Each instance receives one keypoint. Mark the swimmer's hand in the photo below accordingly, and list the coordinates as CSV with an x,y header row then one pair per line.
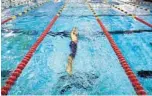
x,y
69,66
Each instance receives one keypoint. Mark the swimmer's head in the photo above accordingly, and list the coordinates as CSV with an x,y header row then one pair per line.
x,y
75,31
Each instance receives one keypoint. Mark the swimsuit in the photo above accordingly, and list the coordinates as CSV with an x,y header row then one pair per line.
x,y
73,47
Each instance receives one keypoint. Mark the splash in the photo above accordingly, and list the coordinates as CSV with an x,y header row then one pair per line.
x,y
78,83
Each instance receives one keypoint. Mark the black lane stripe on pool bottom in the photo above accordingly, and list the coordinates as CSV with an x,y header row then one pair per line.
x,y
145,73
110,15
66,33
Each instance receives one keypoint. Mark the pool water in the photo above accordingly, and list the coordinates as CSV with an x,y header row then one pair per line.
x,y
96,69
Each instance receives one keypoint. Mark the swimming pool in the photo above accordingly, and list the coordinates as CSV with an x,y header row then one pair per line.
x,y
96,69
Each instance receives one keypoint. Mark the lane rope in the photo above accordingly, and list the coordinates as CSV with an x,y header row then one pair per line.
x,y
22,13
14,4
17,72
133,16
133,79
137,6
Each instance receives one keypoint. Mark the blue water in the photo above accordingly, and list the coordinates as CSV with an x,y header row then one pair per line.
x,y
96,69
14,46
12,11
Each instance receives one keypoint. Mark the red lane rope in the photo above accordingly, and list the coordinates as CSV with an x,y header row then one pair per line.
x,y
11,80
133,79
6,20
141,20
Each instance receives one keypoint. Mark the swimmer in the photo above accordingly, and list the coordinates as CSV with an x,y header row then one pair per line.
x,y
73,47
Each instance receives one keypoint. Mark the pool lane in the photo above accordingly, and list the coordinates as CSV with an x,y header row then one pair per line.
x,y
19,35
137,11
25,11
140,6
35,18
126,22
135,47
137,50
12,11
95,70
